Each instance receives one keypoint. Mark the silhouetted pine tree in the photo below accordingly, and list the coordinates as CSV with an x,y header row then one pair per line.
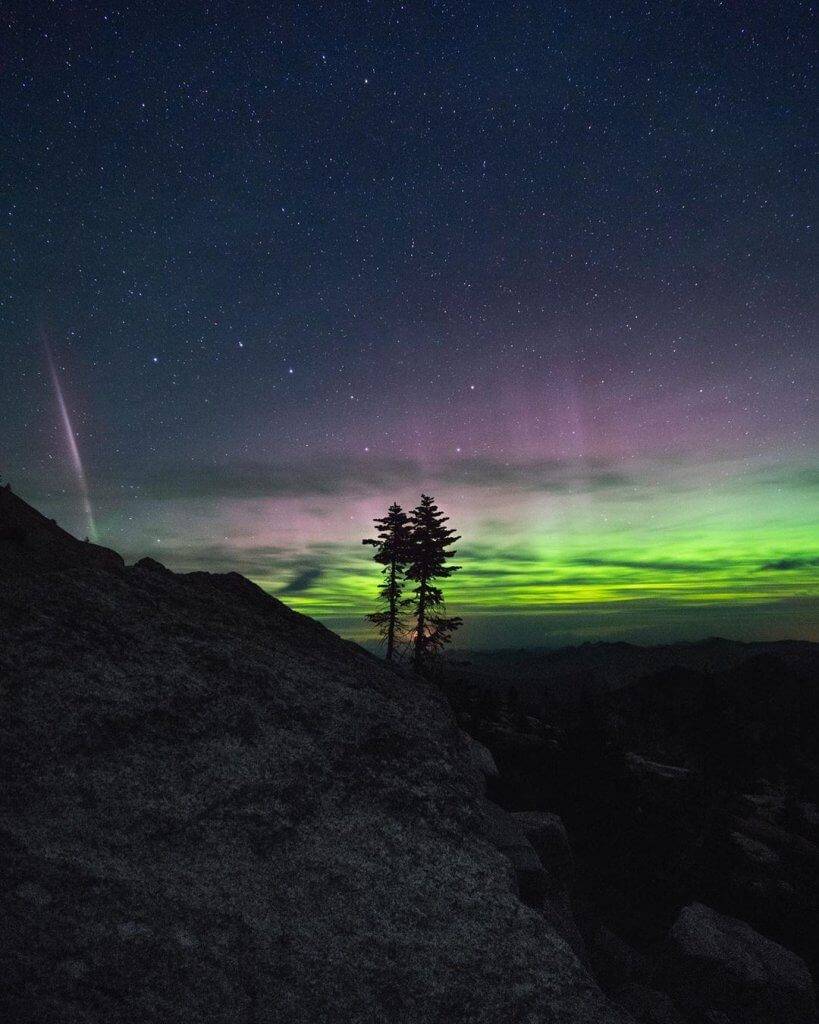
x,y
429,551
391,546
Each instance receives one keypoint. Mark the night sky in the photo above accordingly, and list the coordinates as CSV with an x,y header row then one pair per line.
x,y
268,267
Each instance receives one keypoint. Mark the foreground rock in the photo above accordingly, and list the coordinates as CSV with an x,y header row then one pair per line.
x,y
716,963
504,833
547,834
215,810
482,759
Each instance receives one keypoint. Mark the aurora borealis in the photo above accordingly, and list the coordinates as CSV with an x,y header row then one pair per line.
x,y
578,560
553,552
552,264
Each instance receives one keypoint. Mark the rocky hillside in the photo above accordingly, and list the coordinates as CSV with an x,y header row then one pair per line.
x,y
215,810
29,541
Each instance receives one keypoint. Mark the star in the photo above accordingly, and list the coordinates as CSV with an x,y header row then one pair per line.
x,y
563,232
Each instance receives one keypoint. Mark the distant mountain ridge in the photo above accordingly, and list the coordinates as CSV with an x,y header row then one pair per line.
x,y
589,668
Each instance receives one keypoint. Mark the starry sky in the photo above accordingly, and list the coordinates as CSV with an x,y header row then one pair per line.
x,y
269,267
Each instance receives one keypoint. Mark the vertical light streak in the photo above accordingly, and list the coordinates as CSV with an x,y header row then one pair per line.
x,y
76,459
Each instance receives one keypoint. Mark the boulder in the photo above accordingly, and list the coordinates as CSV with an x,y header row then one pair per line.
x,y
639,765
757,853
504,834
482,759
790,846
148,564
547,834
719,964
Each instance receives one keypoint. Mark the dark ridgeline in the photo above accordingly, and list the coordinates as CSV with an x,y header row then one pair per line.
x,y
28,540
392,551
416,548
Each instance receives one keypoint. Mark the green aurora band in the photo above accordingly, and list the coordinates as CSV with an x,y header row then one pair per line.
x,y
739,554
552,552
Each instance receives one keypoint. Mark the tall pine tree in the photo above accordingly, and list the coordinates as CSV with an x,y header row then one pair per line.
x,y
429,552
392,551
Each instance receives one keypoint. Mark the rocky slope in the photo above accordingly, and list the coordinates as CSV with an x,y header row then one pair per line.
x,y
215,810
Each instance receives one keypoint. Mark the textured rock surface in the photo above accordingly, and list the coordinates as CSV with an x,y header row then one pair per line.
x,y
215,810
547,834
558,911
503,832
643,766
718,963
482,758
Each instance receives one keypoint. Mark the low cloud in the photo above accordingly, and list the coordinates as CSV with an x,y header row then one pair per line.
x,y
555,476
301,581
650,565
324,476
797,562
310,478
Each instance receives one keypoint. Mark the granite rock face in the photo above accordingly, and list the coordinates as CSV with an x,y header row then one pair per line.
x,y
215,810
504,833
547,834
482,759
717,963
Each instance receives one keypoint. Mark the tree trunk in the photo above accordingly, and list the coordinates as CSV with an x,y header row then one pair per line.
x,y
391,623
419,635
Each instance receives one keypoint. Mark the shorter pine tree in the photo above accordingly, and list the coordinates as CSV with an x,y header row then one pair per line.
x,y
392,551
429,551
